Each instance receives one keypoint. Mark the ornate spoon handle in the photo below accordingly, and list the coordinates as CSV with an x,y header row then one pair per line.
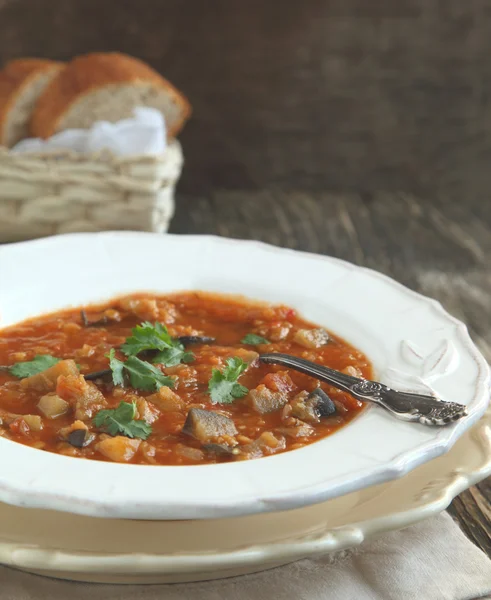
x,y
403,405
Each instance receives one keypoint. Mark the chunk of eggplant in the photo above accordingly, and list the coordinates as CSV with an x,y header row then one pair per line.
x,y
52,406
221,449
34,421
324,406
311,407
195,339
311,338
24,423
208,426
263,400
86,322
298,429
267,443
80,438
105,373
88,399
77,434
7,417
189,453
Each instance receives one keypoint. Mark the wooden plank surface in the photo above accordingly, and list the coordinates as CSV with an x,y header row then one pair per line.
x,y
351,128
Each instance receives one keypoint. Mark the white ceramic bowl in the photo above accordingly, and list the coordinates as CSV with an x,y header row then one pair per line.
x,y
410,339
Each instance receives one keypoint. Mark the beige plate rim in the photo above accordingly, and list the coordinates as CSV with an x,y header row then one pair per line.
x,y
431,488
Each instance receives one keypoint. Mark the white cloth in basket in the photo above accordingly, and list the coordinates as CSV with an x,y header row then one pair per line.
x,y
143,134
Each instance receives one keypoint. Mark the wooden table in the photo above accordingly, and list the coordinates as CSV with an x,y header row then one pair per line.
x,y
360,130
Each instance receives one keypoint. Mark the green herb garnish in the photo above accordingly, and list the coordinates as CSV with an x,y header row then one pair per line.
x,y
146,337
142,375
117,367
173,356
253,339
223,386
38,364
121,421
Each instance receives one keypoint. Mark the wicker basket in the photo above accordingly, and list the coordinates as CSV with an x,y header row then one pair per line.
x,y
65,192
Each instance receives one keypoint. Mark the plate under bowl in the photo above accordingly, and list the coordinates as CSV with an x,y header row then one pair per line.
x,y
123,551
412,342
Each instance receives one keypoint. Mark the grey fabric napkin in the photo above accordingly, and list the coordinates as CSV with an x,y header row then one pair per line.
x,y
429,561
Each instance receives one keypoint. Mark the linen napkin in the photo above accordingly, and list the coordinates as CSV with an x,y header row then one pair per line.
x,y
429,561
144,133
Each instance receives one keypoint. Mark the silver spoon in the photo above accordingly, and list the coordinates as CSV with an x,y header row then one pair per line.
x,y
403,405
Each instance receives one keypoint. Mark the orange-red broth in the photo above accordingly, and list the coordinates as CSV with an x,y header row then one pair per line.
x,y
63,335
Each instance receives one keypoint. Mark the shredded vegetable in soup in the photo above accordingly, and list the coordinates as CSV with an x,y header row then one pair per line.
x,y
170,380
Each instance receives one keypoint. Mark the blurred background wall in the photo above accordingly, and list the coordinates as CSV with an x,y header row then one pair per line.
x,y
339,95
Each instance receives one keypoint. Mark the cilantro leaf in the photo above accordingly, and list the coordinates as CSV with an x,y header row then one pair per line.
x,y
225,392
234,369
138,429
38,364
116,419
121,421
173,356
239,391
117,367
223,387
144,376
147,337
253,339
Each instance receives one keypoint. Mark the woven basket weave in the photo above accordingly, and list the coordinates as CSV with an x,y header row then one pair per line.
x,y
65,192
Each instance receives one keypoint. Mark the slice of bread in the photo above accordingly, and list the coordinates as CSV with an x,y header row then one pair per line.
x,y
21,83
106,86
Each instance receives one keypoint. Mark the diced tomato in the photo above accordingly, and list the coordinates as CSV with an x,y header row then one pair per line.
x,y
70,387
290,314
20,427
279,382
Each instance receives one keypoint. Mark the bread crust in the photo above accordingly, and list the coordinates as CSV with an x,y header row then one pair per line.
x,y
88,73
14,78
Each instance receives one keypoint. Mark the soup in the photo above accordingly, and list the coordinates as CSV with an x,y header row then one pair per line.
x,y
170,380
